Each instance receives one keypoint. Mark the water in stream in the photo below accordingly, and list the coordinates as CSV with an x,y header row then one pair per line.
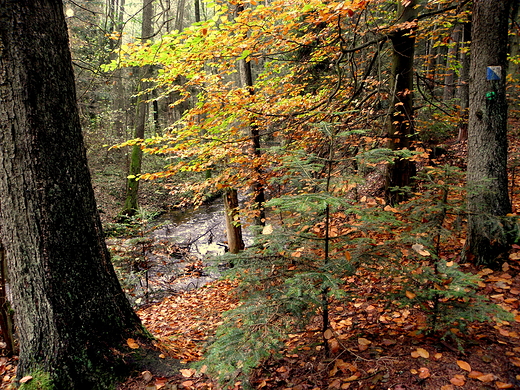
x,y
174,255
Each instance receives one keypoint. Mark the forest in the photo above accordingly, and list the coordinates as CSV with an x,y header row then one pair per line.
x,y
259,194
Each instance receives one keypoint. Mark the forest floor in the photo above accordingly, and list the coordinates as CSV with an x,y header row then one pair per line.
x,y
371,347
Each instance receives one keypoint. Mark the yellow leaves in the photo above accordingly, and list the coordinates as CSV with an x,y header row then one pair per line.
x,y
464,365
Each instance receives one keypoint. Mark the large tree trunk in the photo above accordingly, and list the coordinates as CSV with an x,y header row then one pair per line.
x,y
489,232
71,313
400,123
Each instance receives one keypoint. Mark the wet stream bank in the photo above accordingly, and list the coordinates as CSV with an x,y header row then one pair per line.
x,y
177,252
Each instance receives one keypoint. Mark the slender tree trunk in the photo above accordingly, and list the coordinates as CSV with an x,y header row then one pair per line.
x,y
489,231
71,313
401,121
233,227
141,115
451,60
246,79
463,83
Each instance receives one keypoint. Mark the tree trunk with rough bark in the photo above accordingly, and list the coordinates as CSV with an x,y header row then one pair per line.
x,y
71,313
233,227
489,231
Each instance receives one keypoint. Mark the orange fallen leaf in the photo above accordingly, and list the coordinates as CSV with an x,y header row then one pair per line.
x,y
410,295
486,378
363,341
424,373
502,385
447,387
132,344
475,374
516,361
187,372
423,353
458,380
464,365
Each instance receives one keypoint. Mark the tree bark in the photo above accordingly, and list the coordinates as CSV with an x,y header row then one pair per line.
x,y
463,82
400,123
141,115
451,60
71,313
233,227
257,188
489,232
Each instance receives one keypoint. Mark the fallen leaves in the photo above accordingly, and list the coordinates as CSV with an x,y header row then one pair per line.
x,y
420,352
132,344
458,380
464,365
183,322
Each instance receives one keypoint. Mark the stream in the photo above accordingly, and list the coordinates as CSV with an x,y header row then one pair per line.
x,y
176,253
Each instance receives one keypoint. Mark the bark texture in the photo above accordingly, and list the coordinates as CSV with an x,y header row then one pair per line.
x,y
70,309
401,119
233,227
489,232
141,115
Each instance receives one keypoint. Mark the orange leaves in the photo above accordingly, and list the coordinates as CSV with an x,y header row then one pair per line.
x,y
458,380
420,352
464,365
177,321
132,344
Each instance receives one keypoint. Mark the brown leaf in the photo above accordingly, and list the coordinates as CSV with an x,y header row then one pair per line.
x,y
486,378
334,345
458,380
132,344
328,334
475,374
515,360
464,365
423,353
447,387
187,372
410,295
363,341
147,376
424,373
502,385
26,379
